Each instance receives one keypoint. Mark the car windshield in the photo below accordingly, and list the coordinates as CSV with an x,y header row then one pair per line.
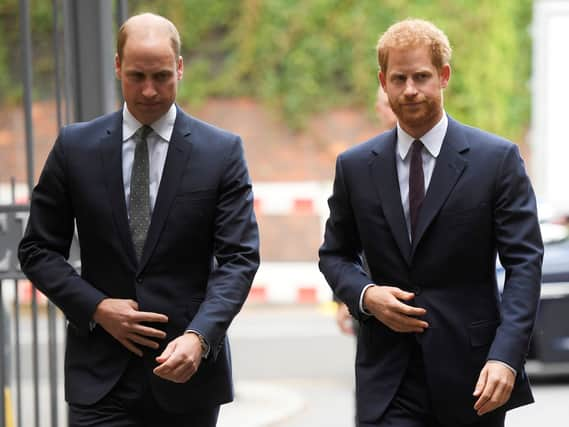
x,y
555,258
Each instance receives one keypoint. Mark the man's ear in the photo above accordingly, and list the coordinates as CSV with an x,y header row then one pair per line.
x,y
180,68
117,66
444,75
381,78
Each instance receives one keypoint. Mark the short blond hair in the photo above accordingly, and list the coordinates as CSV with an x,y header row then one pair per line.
x,y
414,33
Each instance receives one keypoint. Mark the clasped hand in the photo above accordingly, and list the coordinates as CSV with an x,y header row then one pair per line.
x,y
386,304
122,319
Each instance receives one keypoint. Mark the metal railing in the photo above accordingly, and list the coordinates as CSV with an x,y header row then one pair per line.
x,y
32,328
32,358
22,344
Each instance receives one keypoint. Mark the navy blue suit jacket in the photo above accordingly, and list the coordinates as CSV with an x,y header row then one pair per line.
x,y
479,203
198,262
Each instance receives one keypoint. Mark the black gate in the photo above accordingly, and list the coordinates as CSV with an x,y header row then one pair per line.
x,y
31,328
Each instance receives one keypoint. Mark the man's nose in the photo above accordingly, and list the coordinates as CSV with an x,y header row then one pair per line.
x,y
410,89
148,90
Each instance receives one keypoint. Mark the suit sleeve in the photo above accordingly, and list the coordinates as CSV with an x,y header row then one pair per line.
x,y
341,253
520,249
44,249
236,250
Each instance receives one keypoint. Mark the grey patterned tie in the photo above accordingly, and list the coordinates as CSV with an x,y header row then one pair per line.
x,y
139,201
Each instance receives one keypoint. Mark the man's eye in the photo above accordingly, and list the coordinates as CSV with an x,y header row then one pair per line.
x,y
162,77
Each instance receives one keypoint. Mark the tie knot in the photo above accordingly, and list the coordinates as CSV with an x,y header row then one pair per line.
x,y
142,133
417,145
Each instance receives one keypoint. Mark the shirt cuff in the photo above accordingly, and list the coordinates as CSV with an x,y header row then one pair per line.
x,y
203,342
504,364
362,309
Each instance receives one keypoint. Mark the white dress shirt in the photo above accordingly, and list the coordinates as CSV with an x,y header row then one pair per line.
x,y
433,142
157,141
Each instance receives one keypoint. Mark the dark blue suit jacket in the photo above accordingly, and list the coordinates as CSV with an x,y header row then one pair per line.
x,y
479,202
198,263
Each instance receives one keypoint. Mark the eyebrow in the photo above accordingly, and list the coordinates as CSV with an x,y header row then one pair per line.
x,y
155,73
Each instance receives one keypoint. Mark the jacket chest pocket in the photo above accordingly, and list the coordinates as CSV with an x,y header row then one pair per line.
x,y
466,216
191,216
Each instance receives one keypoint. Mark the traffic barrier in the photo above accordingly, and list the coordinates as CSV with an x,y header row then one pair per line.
x,y
26,290
289,283
286,282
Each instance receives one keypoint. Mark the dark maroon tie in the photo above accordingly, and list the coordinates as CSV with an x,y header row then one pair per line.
x,y
416,184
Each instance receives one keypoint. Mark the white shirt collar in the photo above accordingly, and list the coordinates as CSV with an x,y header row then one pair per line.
x,y
432,140
163,127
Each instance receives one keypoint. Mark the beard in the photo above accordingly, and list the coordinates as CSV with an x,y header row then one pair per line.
x,y
422,115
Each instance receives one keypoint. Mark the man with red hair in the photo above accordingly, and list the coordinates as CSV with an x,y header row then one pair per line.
x,y
430,203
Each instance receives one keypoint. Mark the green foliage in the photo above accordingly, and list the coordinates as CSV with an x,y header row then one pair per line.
x,y
306,56
9,33
11,56
4,74
301,57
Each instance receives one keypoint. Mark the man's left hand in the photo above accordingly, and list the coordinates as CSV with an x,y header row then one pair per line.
x,y
493,388
344,319
180,359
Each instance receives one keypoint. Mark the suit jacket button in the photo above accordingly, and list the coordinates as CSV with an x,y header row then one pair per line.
x,y
416,290
139,279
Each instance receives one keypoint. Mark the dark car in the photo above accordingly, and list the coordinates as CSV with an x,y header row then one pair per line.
x,y
549,349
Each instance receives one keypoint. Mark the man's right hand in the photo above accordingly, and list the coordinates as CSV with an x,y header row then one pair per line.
x,y
386,304
344,319
121,319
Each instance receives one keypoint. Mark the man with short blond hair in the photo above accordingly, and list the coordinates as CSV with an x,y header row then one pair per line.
x,y
430,203
169,247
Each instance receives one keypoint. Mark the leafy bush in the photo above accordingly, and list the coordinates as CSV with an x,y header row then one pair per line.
x,y
300,57
306,56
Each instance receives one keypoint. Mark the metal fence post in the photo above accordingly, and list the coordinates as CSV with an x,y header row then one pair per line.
x,y
2,359
91,52
25,31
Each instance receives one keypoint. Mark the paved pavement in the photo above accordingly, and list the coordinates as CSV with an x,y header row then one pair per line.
x,y
282,378
292,368
278,390
260,404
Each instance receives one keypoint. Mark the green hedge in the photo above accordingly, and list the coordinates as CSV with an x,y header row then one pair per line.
x,y
306,56
300,57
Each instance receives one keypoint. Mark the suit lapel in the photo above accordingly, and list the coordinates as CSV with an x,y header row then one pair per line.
x,y
111,158
449,167
384,177
179,149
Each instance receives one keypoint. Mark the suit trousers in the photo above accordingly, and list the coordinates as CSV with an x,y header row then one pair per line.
x,y
131,403
411,405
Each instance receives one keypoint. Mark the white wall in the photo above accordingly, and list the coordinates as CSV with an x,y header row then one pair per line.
x,y
550,103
